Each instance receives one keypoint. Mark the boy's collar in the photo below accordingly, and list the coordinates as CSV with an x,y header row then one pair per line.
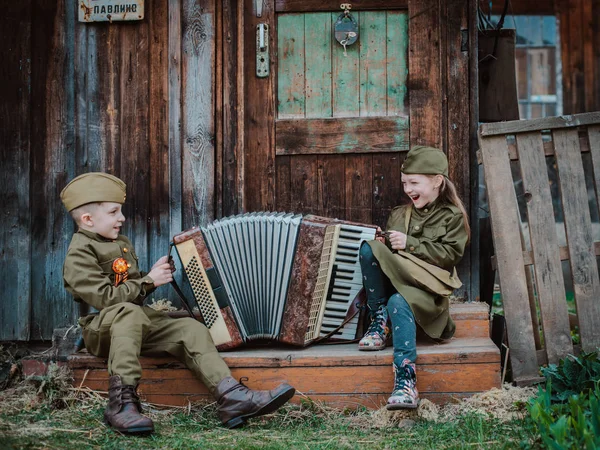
x,y
94,235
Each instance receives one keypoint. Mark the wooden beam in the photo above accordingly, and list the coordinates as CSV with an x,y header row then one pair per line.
x,y
563,252
546,123
525,7
259,115
329,5
348,135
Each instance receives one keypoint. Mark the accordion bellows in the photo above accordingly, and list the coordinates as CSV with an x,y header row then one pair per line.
x,y
274,276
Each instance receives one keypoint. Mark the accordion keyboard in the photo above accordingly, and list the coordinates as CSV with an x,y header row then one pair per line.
x,y
344,280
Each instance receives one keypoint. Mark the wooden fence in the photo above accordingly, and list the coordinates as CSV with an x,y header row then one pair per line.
x,y
519,159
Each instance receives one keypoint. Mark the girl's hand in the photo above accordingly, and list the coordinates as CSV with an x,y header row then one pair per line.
x,y
379,237
397,240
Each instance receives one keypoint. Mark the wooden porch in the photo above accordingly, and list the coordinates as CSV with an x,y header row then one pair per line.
x,y
338,375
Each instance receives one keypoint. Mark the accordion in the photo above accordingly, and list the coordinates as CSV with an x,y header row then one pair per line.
x,y
274,276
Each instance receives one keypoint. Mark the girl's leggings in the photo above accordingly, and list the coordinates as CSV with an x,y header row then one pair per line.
x,y
380,292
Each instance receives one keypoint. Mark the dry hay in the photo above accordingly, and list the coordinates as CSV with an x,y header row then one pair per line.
x,y
162,305
504,405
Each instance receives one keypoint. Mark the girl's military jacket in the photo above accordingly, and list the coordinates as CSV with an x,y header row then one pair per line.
x,y
88,272
424,272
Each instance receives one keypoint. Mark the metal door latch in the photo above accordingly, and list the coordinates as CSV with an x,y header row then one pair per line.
x,y
262,50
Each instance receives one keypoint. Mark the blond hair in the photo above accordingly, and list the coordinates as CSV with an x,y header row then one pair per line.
x,y
448,194
83,209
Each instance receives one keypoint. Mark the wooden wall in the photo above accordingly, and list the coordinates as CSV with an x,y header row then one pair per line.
x,y
135,99
160,103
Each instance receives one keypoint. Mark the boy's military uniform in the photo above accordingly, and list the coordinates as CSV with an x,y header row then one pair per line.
x,y
104,273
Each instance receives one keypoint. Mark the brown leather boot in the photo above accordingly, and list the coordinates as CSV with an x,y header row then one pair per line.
x,y
236,403
123,411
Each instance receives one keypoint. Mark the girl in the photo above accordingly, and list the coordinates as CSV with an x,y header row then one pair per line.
x,y
409,275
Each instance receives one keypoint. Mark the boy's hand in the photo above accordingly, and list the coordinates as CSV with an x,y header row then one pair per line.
x,y
161,272
397,240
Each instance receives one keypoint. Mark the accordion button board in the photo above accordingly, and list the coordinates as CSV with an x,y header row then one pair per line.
x,y
274,276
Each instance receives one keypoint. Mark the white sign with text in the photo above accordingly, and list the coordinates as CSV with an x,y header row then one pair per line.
x,y
110,10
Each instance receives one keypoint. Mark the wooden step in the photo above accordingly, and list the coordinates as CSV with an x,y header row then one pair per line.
x,y
472,319
338,375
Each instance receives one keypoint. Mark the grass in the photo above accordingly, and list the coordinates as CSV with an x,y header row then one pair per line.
x,y
48,413
73,428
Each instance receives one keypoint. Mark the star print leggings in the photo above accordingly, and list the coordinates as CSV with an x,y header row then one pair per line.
x,y
380,292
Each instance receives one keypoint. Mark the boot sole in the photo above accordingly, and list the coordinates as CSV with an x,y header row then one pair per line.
x,y
272,406
131,431
371,348
399,406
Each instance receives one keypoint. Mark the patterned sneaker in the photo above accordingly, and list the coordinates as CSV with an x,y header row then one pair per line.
x,y
405,395
376,336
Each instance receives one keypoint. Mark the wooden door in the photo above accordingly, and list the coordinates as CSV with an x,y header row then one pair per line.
x,y
324,131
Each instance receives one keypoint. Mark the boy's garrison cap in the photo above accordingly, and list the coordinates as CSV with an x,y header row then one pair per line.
x,y
425,160
93,187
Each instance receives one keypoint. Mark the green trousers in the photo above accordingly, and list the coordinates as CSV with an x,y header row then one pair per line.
x,y
125,331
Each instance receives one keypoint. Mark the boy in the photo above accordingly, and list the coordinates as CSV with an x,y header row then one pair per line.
x,y
101,270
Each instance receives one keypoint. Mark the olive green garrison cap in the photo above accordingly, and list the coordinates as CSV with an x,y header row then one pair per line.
x,y
425,160
93,187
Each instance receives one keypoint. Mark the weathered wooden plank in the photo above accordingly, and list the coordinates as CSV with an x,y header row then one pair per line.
x,y
198,101
574,67
52,146
546,123
291,82
319,380
586,283
304,184
233,160
596,53
456,130
15,148
318,42
424,76
359,186
550,286
505,228
594,144
108,100
175,145
91,158
476,235
259,132
318,104
590,65
373,67
562,12
283,183
329,5
472,350
218,112
397,63
157,15
345,75
332,186
387,186
134,107
349,135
